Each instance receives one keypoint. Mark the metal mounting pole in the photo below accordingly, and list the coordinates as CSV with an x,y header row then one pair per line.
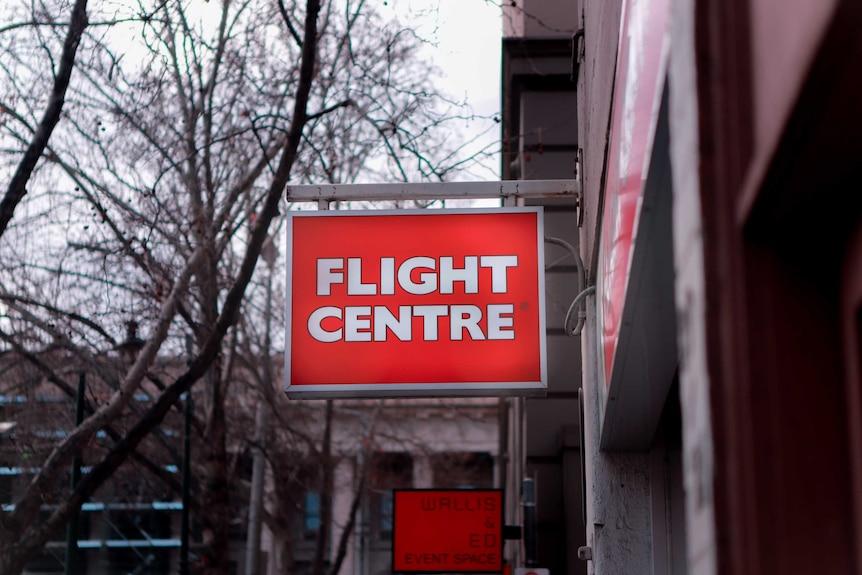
x,y
255,506
184,518
71,564
529,487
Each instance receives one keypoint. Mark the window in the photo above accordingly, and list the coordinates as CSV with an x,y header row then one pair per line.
x,y
463,470
6,485
386,514
299,498
311,514
389,471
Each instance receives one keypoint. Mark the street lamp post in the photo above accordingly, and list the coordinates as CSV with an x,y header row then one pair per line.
x,y
72,527
252,547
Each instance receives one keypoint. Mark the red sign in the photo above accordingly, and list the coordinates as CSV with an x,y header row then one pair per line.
x,y
641,61
415,302
444,531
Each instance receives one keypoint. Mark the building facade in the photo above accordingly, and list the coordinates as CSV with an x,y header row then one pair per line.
x,y
721,227
379,446
540,142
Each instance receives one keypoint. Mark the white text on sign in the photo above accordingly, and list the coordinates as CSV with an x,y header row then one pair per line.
x,y
417,276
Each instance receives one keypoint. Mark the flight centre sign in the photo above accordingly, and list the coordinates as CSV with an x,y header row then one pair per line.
x,y
415,303
447,531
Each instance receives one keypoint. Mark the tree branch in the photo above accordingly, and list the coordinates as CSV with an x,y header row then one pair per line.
x,y
55,310
287,22
18,185
330,109
38,534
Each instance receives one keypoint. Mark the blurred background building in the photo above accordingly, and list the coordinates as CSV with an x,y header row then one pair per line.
x,y
133,524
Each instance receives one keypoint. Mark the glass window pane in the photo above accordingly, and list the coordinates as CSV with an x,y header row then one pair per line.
x,y
386,519
312,511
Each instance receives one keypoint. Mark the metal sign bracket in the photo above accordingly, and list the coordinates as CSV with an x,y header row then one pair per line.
x,y
509,191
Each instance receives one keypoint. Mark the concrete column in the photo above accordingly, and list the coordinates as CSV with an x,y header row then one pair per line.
x,y
512,470
423,475
690,294
267,545
617,484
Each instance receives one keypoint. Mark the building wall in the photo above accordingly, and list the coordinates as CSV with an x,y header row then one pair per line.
x,y
776,126
617,486
690,294
784,37
538,18
540,134
764,408
635,502
600,20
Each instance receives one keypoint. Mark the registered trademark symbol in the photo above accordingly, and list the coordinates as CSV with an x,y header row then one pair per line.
x,y
525,306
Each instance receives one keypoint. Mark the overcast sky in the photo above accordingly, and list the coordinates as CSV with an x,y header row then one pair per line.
x,y
465,38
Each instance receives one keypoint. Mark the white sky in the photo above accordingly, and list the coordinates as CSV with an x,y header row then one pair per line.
x,y
468,34
464,41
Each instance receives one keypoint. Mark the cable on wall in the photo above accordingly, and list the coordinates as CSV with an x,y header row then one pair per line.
x,y
583,290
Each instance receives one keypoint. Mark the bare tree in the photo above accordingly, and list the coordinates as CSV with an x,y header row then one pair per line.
x,y
157,191
42,133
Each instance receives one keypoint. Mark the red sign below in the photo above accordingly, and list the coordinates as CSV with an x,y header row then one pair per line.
x,y
448,531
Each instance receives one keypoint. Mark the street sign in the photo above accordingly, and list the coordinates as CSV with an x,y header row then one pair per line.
x,y
447,531
415,303
641,67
